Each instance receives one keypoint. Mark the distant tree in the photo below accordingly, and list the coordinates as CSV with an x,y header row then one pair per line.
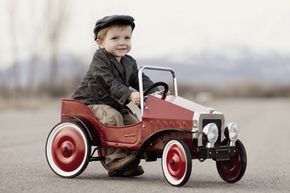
x,y
35,41
56,18
12,11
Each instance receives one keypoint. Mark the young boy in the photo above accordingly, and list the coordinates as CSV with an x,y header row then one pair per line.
x,y
107,86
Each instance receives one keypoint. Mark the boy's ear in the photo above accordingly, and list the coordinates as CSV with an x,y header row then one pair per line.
x,y
99,42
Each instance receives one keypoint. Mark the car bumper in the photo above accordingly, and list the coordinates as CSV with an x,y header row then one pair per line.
x,y
221,153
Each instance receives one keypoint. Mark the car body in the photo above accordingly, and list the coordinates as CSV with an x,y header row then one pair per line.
x,y
171,127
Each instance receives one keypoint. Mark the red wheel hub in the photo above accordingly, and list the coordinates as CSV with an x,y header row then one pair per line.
x,y
68,149
176,162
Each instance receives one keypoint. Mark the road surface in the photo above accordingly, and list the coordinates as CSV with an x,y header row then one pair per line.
x,y
265,132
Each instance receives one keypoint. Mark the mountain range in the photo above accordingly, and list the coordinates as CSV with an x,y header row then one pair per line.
x,y
206,68
213,69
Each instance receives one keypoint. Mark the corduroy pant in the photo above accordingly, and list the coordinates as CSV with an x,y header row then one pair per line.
x,y
110,116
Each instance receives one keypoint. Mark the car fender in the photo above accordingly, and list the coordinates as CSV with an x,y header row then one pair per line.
x,y
155,135
91,131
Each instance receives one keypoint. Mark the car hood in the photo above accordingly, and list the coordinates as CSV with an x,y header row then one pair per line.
x,y
189,105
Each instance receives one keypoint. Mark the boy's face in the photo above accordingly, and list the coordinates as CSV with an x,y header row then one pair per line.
x,y
117,41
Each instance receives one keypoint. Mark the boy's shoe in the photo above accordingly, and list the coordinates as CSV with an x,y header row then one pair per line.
x,y
136,171
123,164
133,172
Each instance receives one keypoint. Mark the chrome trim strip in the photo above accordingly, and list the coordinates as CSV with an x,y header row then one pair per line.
x,y
196,125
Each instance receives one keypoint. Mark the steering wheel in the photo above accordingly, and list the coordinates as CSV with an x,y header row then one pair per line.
x,y
155,85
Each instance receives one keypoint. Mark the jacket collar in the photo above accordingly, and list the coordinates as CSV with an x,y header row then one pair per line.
x,y
126,63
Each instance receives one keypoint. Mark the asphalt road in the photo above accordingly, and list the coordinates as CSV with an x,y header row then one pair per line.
x,y
264,131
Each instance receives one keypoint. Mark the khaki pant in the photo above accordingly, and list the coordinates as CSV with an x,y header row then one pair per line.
x,y
110,116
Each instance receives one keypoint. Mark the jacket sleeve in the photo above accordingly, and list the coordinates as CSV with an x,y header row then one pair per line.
x,y
103,70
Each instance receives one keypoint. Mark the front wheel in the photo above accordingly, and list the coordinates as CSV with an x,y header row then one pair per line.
x,y
176,162
67,150
233,170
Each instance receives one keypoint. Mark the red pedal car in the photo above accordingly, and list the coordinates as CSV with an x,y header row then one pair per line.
x,y
171,128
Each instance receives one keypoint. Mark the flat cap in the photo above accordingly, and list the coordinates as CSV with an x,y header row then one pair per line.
x,y
113,19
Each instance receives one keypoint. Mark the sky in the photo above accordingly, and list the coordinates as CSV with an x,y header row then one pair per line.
x,y
164,28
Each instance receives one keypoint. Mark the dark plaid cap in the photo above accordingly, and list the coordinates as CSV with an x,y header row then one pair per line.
x,y
113,19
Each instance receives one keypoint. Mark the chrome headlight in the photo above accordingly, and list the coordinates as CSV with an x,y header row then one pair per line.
x,y
232,131
212,132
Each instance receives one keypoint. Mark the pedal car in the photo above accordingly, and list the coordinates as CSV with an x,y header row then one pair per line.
x,y
171,128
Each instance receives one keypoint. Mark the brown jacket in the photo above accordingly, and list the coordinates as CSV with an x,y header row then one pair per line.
x,y
107,81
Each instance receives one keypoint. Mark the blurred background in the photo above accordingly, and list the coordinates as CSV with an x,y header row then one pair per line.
x,y
232,55
225,48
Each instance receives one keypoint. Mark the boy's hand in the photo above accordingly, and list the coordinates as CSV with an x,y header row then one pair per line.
x,y
135,97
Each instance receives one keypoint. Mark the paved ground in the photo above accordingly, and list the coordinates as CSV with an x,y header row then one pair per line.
x,y
264,132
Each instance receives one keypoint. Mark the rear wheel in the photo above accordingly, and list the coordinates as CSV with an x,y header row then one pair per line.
x,y
176,162
67,150
233,170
